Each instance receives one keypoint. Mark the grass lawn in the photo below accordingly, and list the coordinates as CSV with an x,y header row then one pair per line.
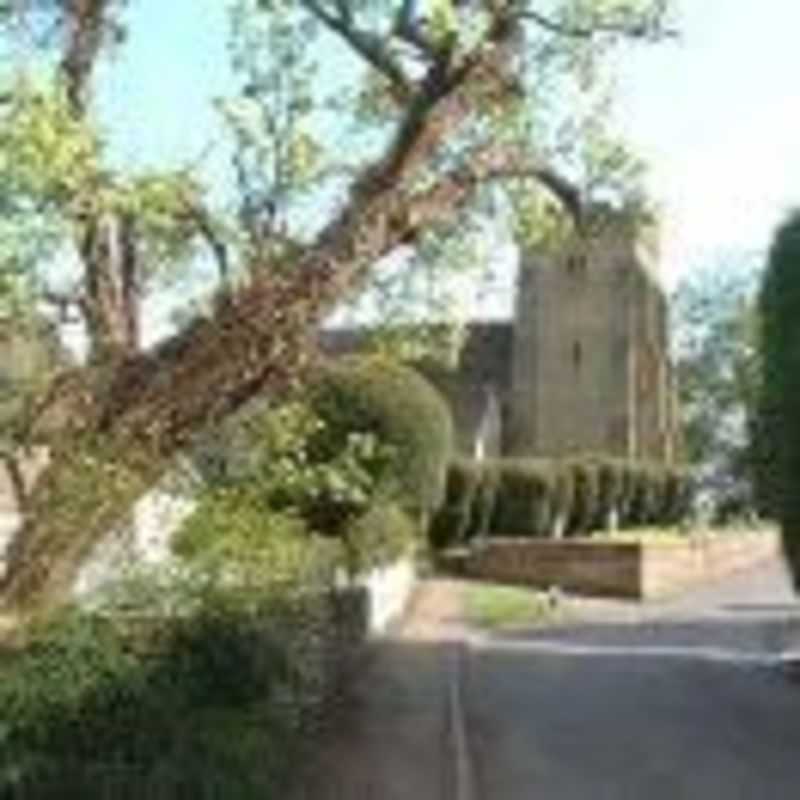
x,y
492,606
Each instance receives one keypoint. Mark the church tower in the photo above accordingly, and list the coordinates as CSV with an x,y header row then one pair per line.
x,y
590,357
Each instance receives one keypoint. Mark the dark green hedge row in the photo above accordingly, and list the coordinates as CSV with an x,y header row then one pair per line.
x,y
542,498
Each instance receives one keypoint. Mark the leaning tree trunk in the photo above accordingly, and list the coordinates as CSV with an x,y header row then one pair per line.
x,y
260,339
122,439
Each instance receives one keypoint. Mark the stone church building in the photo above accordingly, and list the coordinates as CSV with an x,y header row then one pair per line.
x,y
583,366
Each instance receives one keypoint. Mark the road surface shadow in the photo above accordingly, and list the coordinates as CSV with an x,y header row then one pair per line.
x,y
389,740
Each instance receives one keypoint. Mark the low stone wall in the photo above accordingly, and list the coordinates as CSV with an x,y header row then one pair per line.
x,y
630,569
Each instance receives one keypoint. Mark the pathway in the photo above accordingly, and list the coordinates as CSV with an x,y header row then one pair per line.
x,y
672,701
680,701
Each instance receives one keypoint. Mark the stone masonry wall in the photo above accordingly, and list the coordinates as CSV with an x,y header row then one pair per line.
x,y
639,570
590,353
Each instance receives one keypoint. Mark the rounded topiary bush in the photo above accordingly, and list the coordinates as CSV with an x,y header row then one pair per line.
x,y
372,395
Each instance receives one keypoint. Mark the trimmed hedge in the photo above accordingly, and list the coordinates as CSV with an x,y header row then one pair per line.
x,y
374,395
451,524
545,498
526,498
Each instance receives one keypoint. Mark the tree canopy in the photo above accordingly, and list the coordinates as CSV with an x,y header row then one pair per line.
x,y
717,357
449,98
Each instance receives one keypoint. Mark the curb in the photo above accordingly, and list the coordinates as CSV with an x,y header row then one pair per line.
x,y
462,783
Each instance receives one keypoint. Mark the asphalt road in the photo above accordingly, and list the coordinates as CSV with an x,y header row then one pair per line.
x,y
678,702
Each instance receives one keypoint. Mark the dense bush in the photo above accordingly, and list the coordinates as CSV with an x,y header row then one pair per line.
x,y
453,521
272,456
214,699
577,496
611,491
363,432
396,405
480,523
584,508
525,498
780,420
384,534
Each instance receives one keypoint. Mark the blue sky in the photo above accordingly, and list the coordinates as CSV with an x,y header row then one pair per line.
x,y
716,114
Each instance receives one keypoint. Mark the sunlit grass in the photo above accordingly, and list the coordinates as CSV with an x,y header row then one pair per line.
x,y
492,606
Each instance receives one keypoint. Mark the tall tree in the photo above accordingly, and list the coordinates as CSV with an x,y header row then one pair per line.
x,y
717,359
780,310
119,227
448,77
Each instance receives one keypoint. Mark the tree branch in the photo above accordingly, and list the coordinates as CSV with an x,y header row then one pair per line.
x,y
406,28
645,27
153,404
202,220
64,303
16,478
366,44
86,22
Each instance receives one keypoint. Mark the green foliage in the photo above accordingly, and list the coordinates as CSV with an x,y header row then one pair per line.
x,y
235,525
31,356
280,460
780,311
216,698
485,501
383,535
280,155
717,359
453,521
610,488
537,497
46,154
586,495
496,607
372,396
525,498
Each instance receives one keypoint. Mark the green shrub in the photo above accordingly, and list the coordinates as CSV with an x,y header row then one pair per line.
x,y
485,502
641,497
562,497
678,495
585,500
227,523
395,404
610,490
384,534
532,497
779,428
365,431
274,457
214,700
457,516
525,498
